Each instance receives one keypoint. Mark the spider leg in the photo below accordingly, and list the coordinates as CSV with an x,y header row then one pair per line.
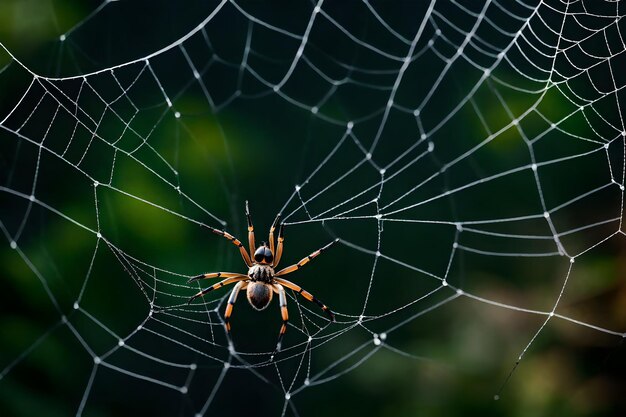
x,y
304,260
231,303
279,248
271,238
214,275
236,242
307,295
284,313
250,231
218,285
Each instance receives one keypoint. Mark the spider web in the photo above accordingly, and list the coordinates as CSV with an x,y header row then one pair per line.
x,y
469,157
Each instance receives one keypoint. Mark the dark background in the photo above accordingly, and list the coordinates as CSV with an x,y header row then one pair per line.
x,y
258,146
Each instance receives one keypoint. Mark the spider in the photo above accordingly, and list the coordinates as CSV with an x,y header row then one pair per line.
x,y
261,281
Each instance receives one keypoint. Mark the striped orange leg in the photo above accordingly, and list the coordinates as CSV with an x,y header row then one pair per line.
x,y
284,313
215,275
218,285
250,232
304,260
231,303
236,242
279,248
272,230
307,295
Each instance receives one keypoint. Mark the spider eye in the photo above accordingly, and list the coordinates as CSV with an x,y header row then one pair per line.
x,y
263,254
269,257
259,255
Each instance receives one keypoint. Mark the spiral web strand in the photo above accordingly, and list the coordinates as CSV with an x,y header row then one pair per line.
x,y
568,53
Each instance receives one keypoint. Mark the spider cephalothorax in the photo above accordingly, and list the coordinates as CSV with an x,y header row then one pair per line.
x,y
262,281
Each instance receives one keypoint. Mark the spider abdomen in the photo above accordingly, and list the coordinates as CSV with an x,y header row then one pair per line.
x,y
259,295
